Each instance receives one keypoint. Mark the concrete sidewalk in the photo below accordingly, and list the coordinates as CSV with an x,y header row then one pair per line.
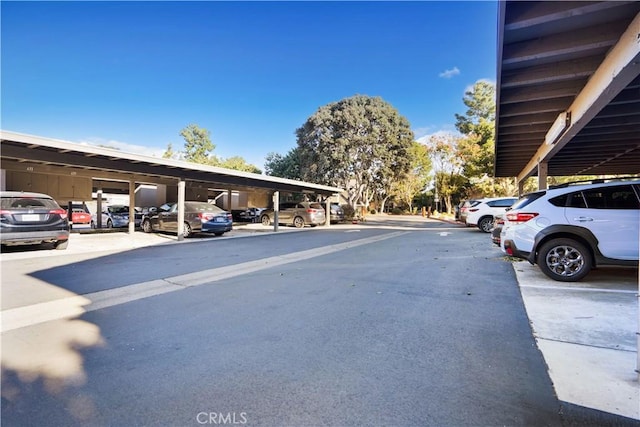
x,y
587,334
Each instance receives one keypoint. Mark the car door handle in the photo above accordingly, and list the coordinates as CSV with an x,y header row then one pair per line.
x,y
583,219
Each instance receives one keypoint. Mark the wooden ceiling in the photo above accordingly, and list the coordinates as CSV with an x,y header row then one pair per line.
x,y
559,57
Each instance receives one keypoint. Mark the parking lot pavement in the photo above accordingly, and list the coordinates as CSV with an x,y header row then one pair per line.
x,y
587,334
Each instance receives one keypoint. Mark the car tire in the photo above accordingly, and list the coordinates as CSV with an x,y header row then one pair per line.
x,y
298,222
61,244
485,224
146,226
109,224
187,230
265,220
564,260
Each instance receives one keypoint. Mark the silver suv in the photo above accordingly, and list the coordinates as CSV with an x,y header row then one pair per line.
x,y
567,230
296,213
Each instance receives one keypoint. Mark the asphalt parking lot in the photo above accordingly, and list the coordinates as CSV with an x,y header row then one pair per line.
x,y
586,331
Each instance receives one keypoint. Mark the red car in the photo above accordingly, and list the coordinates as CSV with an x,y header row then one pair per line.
x,y
79,214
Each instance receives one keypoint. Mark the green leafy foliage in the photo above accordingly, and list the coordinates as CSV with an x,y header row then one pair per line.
x,y
360,144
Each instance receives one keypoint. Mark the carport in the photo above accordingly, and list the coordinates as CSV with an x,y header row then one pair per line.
x,y
65,169
568,90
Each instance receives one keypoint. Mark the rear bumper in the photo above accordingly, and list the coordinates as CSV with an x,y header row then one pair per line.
x,y
33,237
510,248
216,227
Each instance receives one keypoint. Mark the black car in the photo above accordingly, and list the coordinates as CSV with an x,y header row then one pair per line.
x,y
32,219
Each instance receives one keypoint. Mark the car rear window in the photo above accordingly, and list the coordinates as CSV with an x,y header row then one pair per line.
x,y
28,202
202,207
315,206
527,199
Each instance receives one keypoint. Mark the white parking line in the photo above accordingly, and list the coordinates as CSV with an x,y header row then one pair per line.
x,y
567,288
21,317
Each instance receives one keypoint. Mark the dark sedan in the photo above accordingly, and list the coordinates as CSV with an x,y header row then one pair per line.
x,y
32,218
199,217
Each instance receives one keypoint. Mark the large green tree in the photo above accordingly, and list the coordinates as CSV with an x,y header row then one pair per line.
x,y
359,144
406,188
287,166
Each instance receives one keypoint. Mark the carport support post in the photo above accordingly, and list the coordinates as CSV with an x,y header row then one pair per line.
x,y
99,208
276,208
543,169
181,192
327,212
638,332
132,204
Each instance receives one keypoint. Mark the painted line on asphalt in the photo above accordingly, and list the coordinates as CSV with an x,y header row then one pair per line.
x,y
567,288
75,306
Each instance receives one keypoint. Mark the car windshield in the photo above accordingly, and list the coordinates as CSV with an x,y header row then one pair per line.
x,y
28,203
119,209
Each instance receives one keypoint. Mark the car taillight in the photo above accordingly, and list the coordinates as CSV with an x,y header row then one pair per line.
x,y
205,216
61,212
520,217
474,210
312,211
229,216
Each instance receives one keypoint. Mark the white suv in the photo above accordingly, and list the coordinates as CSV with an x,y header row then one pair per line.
x,y
569,229
482,212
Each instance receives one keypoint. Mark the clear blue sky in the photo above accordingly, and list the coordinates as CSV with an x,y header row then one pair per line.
x,y
133,74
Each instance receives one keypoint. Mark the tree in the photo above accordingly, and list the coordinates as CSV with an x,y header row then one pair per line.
x,y
407,187
359,143
478,127
198,146
448,166
287,166
238,163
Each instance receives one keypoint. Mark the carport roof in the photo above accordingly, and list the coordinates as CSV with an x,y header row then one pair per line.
x,y
101,162
576,57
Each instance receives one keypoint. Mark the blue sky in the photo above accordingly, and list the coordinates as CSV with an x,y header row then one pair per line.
x,y
133,74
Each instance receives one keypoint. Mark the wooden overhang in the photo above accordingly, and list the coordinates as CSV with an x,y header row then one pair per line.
x,y
568,88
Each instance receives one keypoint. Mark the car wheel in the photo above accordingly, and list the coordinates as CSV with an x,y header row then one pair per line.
x,y
298,222
265,220
187,230
61,244
564,260
109,224
485,224
146,226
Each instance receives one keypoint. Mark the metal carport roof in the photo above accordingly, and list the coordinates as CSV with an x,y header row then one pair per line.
x,y
568,89
114,164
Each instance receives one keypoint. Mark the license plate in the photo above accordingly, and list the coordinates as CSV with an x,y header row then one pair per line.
x,y
220,220
30,217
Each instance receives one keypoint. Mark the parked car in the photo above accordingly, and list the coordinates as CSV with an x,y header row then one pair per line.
x,y
199,217
250,214
337,213
497,229
569,229
296,213
482,212
464,209
32,218
114,216
79,214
